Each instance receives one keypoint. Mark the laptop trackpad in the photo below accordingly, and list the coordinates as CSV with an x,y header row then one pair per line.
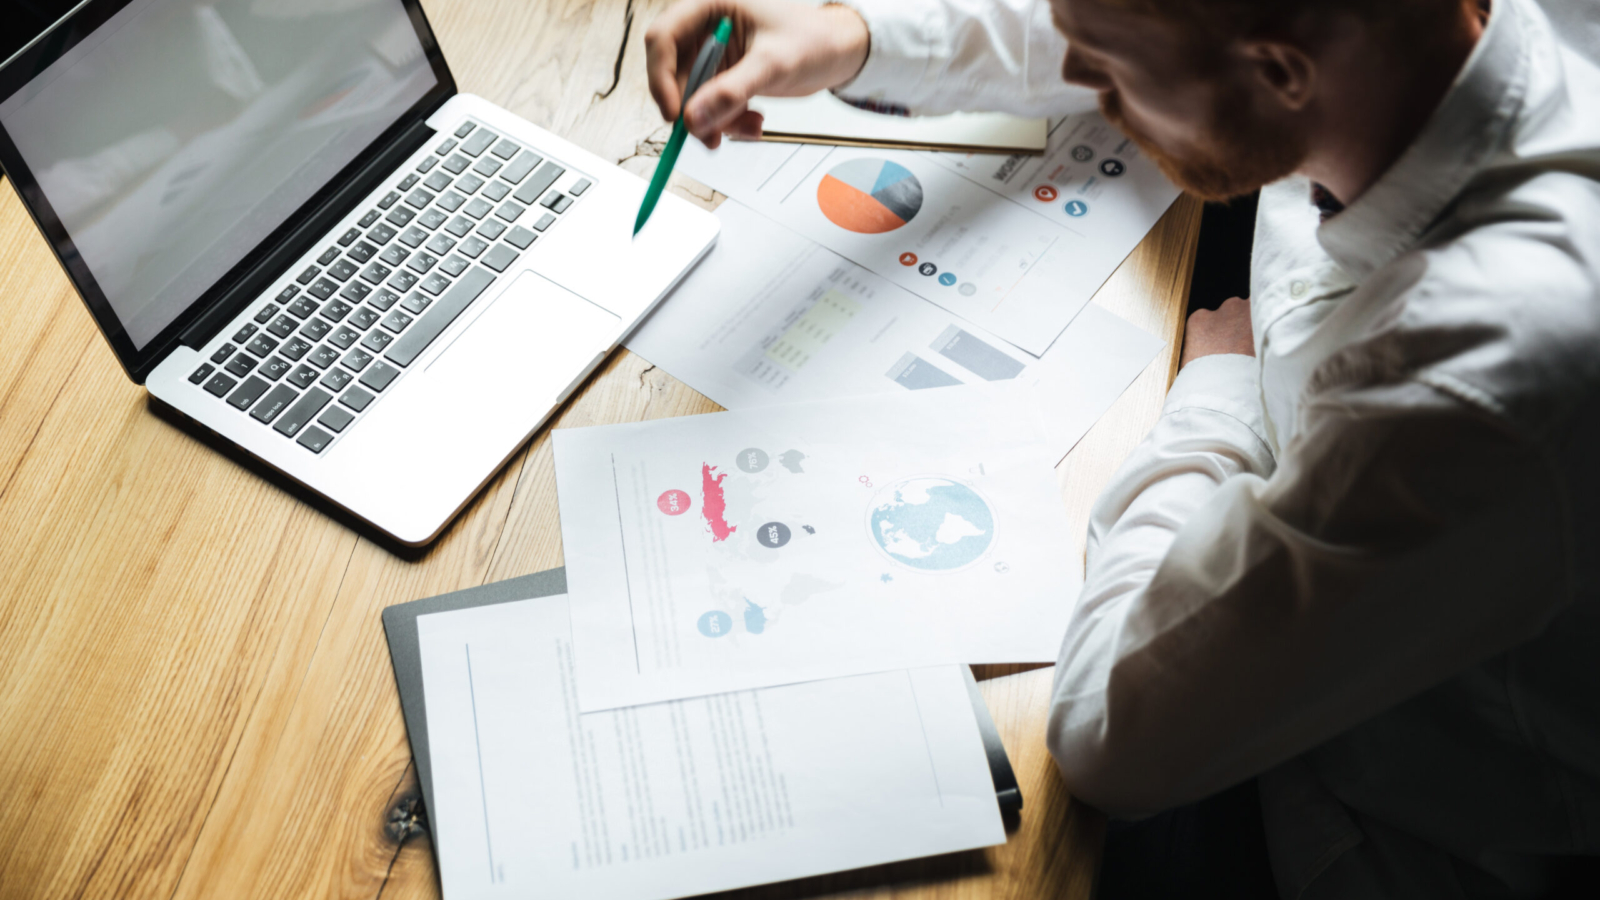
x,y
528,347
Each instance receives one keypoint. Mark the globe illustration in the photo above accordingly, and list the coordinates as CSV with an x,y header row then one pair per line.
x,y
931,523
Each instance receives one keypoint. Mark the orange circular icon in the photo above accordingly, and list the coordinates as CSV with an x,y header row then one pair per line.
x,y
1044,193
908,259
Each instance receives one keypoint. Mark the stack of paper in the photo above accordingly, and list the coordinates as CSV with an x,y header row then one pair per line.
x,y
823,118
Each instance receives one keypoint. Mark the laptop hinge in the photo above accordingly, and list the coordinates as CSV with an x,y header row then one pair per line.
x,y
296,242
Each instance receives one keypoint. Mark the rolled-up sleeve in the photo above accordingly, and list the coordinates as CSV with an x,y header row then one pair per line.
x,y
1238,610
938,56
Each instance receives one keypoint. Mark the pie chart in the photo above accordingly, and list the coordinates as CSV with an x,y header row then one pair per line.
x,y
869,196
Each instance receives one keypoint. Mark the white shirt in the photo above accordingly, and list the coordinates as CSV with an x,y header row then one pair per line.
x,y
1364,564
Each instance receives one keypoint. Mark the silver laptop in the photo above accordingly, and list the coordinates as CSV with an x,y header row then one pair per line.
x,y
293,230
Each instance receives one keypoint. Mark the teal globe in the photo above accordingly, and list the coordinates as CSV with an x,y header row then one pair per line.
x,y
932,523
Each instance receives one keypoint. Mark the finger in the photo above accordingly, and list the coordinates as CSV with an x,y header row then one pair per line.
x,y
669,44
746,126
724,98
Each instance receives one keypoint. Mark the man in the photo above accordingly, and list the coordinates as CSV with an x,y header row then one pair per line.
x,y
1355,560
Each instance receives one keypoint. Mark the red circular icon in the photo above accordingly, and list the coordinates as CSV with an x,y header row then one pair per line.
x,y
673,502
908,259
1044,193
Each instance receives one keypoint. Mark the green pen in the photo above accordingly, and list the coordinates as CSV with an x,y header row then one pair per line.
x,y
704,67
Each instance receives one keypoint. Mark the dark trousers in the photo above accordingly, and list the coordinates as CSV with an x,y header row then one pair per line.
x,y
1211,850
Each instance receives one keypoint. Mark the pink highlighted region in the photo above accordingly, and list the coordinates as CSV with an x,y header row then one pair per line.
x,y
712,504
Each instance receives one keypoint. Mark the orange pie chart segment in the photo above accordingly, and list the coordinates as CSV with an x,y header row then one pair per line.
x,y
869,196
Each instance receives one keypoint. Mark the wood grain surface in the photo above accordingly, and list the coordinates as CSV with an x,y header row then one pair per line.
x,y
195,693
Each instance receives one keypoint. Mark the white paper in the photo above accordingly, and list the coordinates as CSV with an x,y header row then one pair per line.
x,y
789,543
688,797
1016,245
770,316
823,115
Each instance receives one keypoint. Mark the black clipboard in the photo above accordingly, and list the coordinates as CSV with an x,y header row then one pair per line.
x,y
400,625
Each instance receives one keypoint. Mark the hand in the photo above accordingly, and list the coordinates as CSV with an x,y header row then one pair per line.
x,y
1227,330
779,48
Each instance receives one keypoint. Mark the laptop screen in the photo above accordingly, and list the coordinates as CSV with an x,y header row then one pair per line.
x,y
175,137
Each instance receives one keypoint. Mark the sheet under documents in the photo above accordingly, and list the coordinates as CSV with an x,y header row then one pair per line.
x,y
1015,245
824,118
770,316
788,543
534,799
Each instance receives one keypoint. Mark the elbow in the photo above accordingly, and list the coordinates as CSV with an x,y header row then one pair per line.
x,y
1111,764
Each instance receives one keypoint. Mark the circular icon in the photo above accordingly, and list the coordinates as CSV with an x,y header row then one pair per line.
x,y
865,481
1111,168
752,459
1045,193
869,196
947,279
673,502
932,523
773,534
1002,568
715,623
908,259
927,268
1083,153
1077,208
967,289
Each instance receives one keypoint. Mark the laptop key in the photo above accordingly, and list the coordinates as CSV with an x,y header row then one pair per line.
x,y
436,182
304,410
276,401
477,207
309,273
219,384
407,183
553,200
274,368
545,221
435,283
303,376
335,379
223,352
473,246
491,229
323,357
510,211
244,332
356,399
343,337
520,237
417,302
322,289
395,255
349,237
468,183
562,203
432,218
376,340
356,359
362,252
335,418
286,293
538,183
428,162
295,347
441,244
400,217
479,142
521,166
265,313
413,237
465,129
459,226
456,164
315,439
419,198
283,326
376,272
341,271
379,376
202,373
578,189
240,365
261,345
328,256
382,233
505,149
421,262
315,329
499,256
363,318
389,200
496,190
336,310
417,338
355,292
372,215
402,280
453,266
396,321
444,148
487,167
451,201
248,393
382,299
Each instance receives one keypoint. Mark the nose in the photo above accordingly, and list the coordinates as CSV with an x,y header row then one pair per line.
x,y
1075,69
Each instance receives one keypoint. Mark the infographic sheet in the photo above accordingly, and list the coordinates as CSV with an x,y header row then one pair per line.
x,y
688,797
783,544
1013,244
771,316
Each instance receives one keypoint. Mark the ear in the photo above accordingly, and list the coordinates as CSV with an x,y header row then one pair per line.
x,y
1283,70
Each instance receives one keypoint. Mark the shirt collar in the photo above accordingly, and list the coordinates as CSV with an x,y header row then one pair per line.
x,y
1458,141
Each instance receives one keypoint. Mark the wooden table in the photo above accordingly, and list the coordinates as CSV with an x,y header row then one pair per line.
x,y
195,693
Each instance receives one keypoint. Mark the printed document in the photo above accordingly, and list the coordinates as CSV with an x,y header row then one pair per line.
x,y
688,797
1015,245
770,316
782,544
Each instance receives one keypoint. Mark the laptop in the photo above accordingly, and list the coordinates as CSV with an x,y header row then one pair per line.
x,y
293,230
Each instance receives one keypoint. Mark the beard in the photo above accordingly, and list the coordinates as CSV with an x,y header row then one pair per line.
x,y
1241,153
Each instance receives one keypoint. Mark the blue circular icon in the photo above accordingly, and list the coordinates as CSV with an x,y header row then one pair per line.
x,y
715,623
947,279
1077,208
1111,168
931,523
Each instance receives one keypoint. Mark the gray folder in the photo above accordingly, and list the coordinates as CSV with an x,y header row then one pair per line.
x,y
400,624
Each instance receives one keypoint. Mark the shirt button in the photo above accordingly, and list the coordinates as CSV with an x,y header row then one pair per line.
x,y
1297,289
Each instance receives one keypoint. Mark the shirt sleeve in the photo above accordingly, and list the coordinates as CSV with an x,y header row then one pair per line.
x,y
1235,614
939,56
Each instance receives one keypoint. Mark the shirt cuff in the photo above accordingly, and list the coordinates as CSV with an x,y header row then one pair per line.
x,y
898,57
1227,383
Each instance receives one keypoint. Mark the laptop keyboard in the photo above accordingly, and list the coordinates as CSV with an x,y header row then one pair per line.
x,y
309,361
